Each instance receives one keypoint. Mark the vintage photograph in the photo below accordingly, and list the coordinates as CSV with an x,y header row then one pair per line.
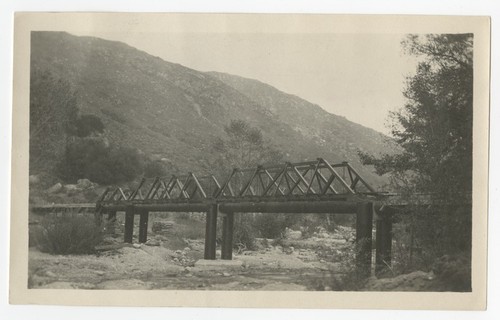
x,y
196,159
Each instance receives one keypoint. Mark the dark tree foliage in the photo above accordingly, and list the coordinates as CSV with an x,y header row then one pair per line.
x,y
53,106
244,147
154,169
86,125
434,130
94,159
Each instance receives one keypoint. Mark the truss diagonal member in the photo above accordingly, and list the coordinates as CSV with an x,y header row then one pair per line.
x,y
295,182
203,194
274,181
262,184
168,188
155,181
309,186
161,186
360,178
122,195
226,184
184,186
134,193
301,178
217,185
328,183
113,194
155,191
103,195
342,181
249,183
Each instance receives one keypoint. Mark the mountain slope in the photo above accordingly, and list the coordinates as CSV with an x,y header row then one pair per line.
x,y
175,112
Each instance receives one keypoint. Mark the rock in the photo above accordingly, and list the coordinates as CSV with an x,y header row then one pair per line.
x,y
187,269
178,252
292,234
55,188
162,226
50,274
226,274
136,245
100,273
71,188
84,184
34,179
152,243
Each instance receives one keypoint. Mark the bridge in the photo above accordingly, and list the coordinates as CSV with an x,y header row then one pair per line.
x,y
305,187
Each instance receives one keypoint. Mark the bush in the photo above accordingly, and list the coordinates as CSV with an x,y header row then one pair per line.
x,y
86,125
270,225
69,235
93,159
243,232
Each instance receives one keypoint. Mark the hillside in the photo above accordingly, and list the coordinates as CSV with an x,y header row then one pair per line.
x,y
174,112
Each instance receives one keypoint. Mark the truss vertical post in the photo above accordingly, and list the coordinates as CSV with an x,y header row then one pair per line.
x,y
143,226
211,232
227,236
111,221
383,241
129,224
364,225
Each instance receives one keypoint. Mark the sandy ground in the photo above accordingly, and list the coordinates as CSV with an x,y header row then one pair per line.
x,y
158,267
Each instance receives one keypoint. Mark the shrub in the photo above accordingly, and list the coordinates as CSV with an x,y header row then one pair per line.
x,y
270,225
86,125
243,232
69,235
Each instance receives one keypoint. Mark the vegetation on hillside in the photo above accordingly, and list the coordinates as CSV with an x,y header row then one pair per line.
x,y
174,112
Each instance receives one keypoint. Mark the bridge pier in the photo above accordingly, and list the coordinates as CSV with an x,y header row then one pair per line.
x,y
143,226
211,232
227,236
364,226
111,221
129,224
383,241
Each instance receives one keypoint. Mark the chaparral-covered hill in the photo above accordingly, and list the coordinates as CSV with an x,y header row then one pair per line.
x,y
173,112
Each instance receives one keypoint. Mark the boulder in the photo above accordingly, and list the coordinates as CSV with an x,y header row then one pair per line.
x,y
55,188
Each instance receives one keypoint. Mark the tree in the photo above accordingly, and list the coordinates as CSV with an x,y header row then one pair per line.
x,y
434,128
53,106
243,147
434,131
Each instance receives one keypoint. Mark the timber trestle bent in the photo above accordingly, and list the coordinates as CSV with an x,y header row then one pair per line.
x,y
305,187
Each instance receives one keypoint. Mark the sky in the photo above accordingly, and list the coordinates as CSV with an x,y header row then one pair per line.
x,y
358,76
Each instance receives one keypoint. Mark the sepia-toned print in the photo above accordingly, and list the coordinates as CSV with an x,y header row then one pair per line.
x,y
292,160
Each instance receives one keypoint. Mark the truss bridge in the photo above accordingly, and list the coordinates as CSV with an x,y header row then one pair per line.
x,y
305,187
